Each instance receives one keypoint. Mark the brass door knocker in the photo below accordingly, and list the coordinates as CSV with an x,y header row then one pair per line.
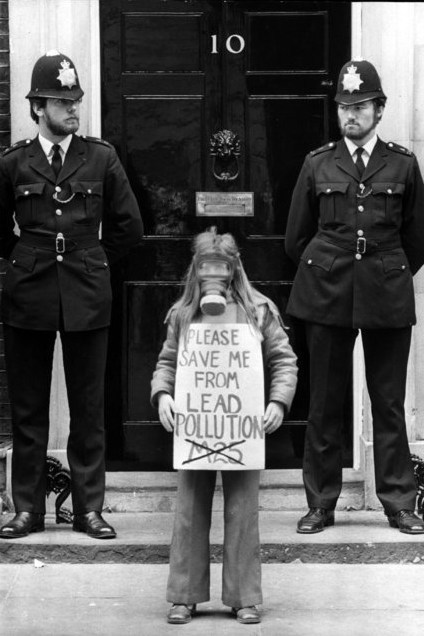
x,y
224,147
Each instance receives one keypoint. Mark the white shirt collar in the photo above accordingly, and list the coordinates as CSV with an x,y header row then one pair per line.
x,y
47,145
368,147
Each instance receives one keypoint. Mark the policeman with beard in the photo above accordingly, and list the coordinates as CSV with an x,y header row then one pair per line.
x,y
356,232
59,188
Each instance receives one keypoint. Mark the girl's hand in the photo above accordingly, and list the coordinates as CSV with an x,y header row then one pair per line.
x,y
274,416
166,408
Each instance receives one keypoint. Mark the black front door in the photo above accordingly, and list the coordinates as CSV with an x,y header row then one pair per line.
x,y
181,79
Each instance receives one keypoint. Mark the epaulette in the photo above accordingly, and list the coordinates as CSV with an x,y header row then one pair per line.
x,y
400,149
330,146
96,140
19,144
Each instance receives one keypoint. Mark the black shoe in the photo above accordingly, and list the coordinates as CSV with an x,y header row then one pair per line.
x,y
407,522
22,524
179,614
93,524
315,520
247,615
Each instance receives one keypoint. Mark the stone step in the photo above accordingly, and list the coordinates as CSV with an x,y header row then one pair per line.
x,y
156,491
280,490
357,537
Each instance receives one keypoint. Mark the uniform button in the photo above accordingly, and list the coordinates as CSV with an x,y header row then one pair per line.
x,y
328,190
26,192
360,208
389,191
310,261
59,212
358,257
403,266
59,258
89,190
390,145
58,189
360,233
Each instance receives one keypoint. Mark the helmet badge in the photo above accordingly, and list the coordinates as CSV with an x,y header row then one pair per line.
x,y
67,76
352,80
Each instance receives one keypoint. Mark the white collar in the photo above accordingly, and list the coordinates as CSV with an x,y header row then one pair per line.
x,y
368,147
47,145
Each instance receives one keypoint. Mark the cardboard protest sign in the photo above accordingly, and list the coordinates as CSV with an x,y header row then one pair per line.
x,y
219,399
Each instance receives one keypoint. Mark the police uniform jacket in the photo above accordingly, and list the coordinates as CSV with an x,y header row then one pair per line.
x,y
47,274
357,242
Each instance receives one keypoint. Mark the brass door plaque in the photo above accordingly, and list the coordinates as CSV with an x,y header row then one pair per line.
x,y
224,203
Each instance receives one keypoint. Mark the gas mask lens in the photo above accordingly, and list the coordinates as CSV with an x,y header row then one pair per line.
x,y
215,277
214,268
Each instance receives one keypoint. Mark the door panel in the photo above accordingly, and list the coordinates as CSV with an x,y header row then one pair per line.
x,y
276,148
288,42
174,74
161,42
168,126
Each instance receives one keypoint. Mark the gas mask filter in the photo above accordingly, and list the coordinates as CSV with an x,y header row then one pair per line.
x,y
215,274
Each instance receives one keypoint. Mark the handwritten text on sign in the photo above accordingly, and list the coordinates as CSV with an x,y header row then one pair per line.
x,y
219,399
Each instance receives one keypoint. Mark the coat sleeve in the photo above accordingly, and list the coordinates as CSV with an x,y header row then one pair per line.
x,y
302,222
163,379
280,359
8,238
122,226
412,230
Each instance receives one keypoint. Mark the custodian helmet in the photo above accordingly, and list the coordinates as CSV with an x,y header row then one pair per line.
x,y
54,75
358,82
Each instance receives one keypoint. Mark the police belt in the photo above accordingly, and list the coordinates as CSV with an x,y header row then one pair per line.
x,y
59,243
362,245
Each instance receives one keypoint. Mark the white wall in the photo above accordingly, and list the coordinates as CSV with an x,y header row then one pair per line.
x,y
71,27
391,36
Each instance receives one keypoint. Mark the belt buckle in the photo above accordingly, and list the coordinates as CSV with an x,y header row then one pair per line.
x,y
361,245
60,244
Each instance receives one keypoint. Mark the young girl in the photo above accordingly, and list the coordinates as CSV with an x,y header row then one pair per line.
x,y
217,291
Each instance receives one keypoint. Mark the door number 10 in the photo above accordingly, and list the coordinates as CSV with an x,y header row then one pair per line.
x,y
234,43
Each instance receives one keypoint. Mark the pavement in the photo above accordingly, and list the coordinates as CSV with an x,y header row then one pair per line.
x,y
124,599
359,578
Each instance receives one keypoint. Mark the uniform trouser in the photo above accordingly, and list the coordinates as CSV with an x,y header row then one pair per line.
x,y
189,576
386,356
29,359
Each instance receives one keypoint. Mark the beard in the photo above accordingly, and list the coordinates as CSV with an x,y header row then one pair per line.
x,y
61,129
358,133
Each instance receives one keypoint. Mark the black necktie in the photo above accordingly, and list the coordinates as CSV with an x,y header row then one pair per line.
x,y
56,159
360,166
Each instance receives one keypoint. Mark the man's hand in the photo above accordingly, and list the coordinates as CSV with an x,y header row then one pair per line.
x,y
274,416
166,408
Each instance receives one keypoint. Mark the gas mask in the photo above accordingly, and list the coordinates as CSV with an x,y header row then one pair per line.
x,y
215,274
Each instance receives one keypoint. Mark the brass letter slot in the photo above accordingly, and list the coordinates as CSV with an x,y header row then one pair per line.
x,y
224,203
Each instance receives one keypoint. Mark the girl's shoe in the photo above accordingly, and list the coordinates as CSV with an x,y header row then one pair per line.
x,y
247,614
180,613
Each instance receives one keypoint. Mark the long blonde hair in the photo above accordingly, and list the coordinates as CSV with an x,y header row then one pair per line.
x,y
207,243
